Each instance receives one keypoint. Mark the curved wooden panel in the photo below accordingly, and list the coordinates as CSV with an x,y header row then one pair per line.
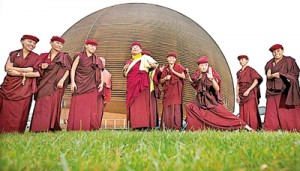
x,y
159,30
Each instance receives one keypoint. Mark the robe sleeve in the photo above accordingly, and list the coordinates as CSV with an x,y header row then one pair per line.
x,y
293,93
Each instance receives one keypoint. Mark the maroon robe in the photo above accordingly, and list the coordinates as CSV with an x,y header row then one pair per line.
x,y
83,113
172,99
105,95
283,96
155,94
46,114
249,104
15,98
138,98
208,112
101,102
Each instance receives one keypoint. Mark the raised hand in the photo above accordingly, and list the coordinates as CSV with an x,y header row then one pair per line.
x,y
209,73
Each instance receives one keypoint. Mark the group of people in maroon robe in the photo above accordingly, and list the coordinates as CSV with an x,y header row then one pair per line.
x,y
283,96
207,111
45,77
143,79
282,92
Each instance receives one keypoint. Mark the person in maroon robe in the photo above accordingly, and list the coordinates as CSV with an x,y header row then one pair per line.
x,y
54,69
172,79
282,92
18,86
86,81
207,111
248,93
136,71
154,76
105,95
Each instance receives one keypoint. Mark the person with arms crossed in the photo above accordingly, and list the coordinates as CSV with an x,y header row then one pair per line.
x,y
18,86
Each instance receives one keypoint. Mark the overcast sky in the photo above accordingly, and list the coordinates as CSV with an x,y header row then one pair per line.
x,y
238,27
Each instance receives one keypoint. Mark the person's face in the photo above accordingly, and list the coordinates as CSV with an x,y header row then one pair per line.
x,y
203,67
56,45
243,61
278,53
136,49
90,48
171,60
28,44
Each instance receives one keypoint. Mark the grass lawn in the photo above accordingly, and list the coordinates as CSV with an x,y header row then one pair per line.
x,y
152,150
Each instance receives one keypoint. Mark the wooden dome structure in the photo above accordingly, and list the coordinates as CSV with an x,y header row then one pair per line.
x,y
159,30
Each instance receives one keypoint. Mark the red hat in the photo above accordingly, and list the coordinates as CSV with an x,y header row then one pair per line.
x,y
26,36
136,43
57,38
275,47
171,54
91,42
202,60
243,56
144,52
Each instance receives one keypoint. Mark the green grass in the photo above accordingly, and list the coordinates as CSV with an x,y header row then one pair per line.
x,y
153,150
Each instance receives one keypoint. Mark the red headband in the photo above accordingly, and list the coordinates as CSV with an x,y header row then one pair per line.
x,y
275,47
243,56
136,43
202,60
57,38
91,42
26,36
171,54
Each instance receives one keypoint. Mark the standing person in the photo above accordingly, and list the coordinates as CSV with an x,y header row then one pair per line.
x,y
248,93
86,81
18,86
283,96
154,76
172,80
54,69
207,111
105,95
138,89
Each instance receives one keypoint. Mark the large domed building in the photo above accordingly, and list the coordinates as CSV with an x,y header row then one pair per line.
x,y
159,30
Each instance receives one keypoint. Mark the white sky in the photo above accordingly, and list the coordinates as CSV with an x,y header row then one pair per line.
x,y
238,26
